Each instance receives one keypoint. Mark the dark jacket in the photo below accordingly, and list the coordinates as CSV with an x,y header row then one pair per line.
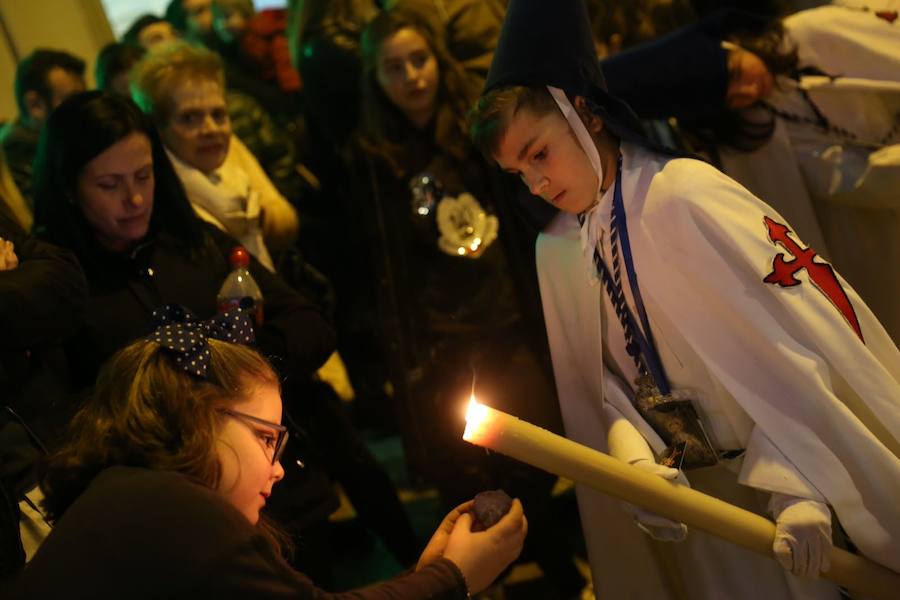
x,y
125,289
137,533
42,301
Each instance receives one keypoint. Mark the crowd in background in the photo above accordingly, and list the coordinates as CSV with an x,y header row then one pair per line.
x,y
395,262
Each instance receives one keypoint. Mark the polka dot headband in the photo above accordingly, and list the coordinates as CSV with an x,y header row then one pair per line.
x,y
185,337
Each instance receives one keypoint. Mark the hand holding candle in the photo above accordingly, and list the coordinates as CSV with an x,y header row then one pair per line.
x,y
538,447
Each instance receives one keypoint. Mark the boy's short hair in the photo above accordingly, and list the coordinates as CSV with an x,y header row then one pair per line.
x,y
155,78
491,114
33,70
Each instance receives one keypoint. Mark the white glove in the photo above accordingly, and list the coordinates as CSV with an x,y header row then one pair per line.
x,y
628,445
657,527
802,534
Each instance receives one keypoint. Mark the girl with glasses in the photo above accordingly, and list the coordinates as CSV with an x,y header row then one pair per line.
x,y
159,489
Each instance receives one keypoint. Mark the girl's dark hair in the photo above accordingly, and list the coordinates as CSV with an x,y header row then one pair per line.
x,y
383,124
80,129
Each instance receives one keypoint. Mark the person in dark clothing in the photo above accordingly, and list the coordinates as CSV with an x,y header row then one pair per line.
x,y
113,65
43,297
159,492
452,285
44,79
324,41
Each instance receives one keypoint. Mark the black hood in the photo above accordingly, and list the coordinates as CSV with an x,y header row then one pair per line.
x,y
549,42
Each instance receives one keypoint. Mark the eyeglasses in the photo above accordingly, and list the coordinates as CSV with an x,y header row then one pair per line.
x,y
273,442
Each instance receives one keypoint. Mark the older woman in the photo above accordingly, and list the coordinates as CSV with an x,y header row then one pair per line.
x,y
183,89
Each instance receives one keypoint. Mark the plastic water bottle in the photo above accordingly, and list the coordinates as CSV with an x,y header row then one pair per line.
x,y
239,289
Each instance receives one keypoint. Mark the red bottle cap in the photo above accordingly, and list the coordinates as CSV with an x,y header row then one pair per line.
x,y
239,257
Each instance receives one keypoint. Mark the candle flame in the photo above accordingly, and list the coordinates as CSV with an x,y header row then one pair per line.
x,y
476,416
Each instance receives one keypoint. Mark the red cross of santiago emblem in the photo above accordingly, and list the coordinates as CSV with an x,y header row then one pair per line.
x,y
820,273
888,15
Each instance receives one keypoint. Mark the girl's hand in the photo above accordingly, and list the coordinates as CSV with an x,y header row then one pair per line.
x,y
483,555
8,258
438,542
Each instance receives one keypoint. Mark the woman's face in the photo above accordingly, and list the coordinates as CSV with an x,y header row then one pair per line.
x,y
198,129
245,449
749,79
115,192
407,72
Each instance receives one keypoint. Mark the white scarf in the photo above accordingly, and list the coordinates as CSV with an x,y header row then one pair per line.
x,y
226,199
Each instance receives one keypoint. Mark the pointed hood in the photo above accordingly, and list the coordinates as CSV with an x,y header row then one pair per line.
x,y
549,43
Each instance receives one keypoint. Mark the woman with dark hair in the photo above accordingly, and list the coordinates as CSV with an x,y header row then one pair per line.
x,y
107,191
452,289
65,152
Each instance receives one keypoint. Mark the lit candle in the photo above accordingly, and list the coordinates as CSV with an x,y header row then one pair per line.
x,y
538,447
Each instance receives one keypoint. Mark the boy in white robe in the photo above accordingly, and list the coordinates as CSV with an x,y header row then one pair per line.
x,y
795,381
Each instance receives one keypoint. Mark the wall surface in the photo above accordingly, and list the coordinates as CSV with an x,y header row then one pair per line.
x,y
77,26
